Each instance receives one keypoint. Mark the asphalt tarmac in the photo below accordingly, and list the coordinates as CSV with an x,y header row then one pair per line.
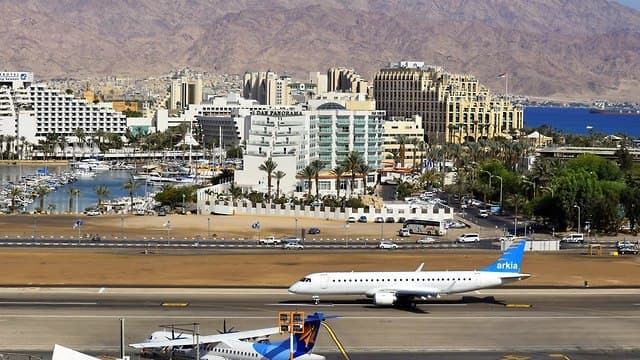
x,y
489,324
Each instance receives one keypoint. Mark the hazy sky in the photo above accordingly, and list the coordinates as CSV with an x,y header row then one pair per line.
x,y
631,3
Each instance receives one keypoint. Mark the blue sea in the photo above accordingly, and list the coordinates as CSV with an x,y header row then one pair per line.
x,y
580,120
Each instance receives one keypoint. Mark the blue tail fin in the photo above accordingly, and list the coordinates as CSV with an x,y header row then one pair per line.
x,y
511,258
304,342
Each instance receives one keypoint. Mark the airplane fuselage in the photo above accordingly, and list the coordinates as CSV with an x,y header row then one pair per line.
x,y
368,283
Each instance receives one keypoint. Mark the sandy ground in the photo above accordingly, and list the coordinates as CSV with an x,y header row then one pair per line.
x,y
259,268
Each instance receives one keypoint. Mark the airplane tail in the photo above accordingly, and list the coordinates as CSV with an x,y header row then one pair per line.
x,y
510,260
304,342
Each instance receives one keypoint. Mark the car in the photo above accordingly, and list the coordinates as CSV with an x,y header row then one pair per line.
x,y
624,243
508,237
468,238
628,250
269,240
293,246
92,212
404,232
476,203
575,238
313,231
351,219
387,245
401,220
389,219
464,205
379,219
162,212
457,225
483,214
362,219
425,240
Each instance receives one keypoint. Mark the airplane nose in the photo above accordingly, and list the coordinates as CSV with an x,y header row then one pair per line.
x,y
293,288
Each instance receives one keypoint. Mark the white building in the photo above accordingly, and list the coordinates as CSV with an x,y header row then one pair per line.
x,y
285,136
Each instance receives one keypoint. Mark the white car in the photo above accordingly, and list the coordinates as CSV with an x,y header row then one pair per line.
x,y
468,238
425,240
92,212
483,214
351,219
293,246
388,245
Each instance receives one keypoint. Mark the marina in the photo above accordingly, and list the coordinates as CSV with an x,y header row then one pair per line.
x,y
73,188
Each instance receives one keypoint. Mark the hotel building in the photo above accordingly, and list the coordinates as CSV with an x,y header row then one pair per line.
x,y
454,108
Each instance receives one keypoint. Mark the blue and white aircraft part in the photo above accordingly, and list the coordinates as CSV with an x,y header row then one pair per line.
x,y
404,288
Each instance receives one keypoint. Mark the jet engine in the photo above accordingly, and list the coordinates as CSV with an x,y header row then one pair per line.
x,y
384,299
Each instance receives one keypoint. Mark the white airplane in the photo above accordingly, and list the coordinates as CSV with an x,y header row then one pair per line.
x,y
403,288
241,345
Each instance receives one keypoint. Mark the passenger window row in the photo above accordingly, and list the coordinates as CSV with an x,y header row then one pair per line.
x,y
399,280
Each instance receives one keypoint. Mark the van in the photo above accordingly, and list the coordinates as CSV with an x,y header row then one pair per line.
x,y
468,238
575,238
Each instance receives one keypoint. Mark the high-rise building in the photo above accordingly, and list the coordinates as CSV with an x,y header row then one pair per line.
x,y
454,108
402,137
345,80
267,88
184,92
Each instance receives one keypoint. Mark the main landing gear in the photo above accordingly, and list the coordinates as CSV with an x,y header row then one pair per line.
x,y
316,299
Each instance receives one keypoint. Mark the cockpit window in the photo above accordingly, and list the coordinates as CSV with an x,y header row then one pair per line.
x,y
305,279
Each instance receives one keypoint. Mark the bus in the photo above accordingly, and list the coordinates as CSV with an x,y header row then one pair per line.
x,y
426,227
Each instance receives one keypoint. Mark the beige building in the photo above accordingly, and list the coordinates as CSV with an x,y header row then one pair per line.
x,y
345,80
398,130
454,108
267,88
184,92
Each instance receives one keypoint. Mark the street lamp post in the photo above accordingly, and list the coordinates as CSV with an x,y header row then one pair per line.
x,y
121,226
295,233
208,228
346,235
490,176
35,227
500,178
578,207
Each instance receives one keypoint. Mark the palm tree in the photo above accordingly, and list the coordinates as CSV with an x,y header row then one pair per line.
x,y
317,165
42,191
364,170
268,166
235,191
73,192
130,185
414,141
401,140
14,194
352,163
278,175
102,192
338,171
308,173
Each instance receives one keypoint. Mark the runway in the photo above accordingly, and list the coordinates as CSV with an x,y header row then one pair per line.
x,y
487,324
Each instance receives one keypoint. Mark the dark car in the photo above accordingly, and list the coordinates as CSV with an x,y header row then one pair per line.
x,y
161,212
401,220
390,219
362,219
628,250
313,231
379,219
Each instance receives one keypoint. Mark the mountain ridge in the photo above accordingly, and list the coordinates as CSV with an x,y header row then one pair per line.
x,y
551,48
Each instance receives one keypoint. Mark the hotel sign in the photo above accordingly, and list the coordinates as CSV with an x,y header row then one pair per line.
x,y
16,76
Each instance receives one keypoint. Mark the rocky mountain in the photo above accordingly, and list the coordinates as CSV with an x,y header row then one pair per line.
x,y
551,48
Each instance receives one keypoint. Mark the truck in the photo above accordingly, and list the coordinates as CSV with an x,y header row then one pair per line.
x,y
269,240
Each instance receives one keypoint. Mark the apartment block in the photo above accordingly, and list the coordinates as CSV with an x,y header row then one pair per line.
x,y
267,88
455,108
341,79
403,134
185,91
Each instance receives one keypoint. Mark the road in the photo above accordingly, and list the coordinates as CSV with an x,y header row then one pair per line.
x,y
488,324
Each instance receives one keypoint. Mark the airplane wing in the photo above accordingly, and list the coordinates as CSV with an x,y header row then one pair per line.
x,y
208,339
409,292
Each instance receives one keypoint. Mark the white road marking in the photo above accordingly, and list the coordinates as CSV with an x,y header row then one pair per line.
x,y
47,303
101,290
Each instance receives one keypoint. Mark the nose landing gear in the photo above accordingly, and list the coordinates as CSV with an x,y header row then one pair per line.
x,y
316,299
